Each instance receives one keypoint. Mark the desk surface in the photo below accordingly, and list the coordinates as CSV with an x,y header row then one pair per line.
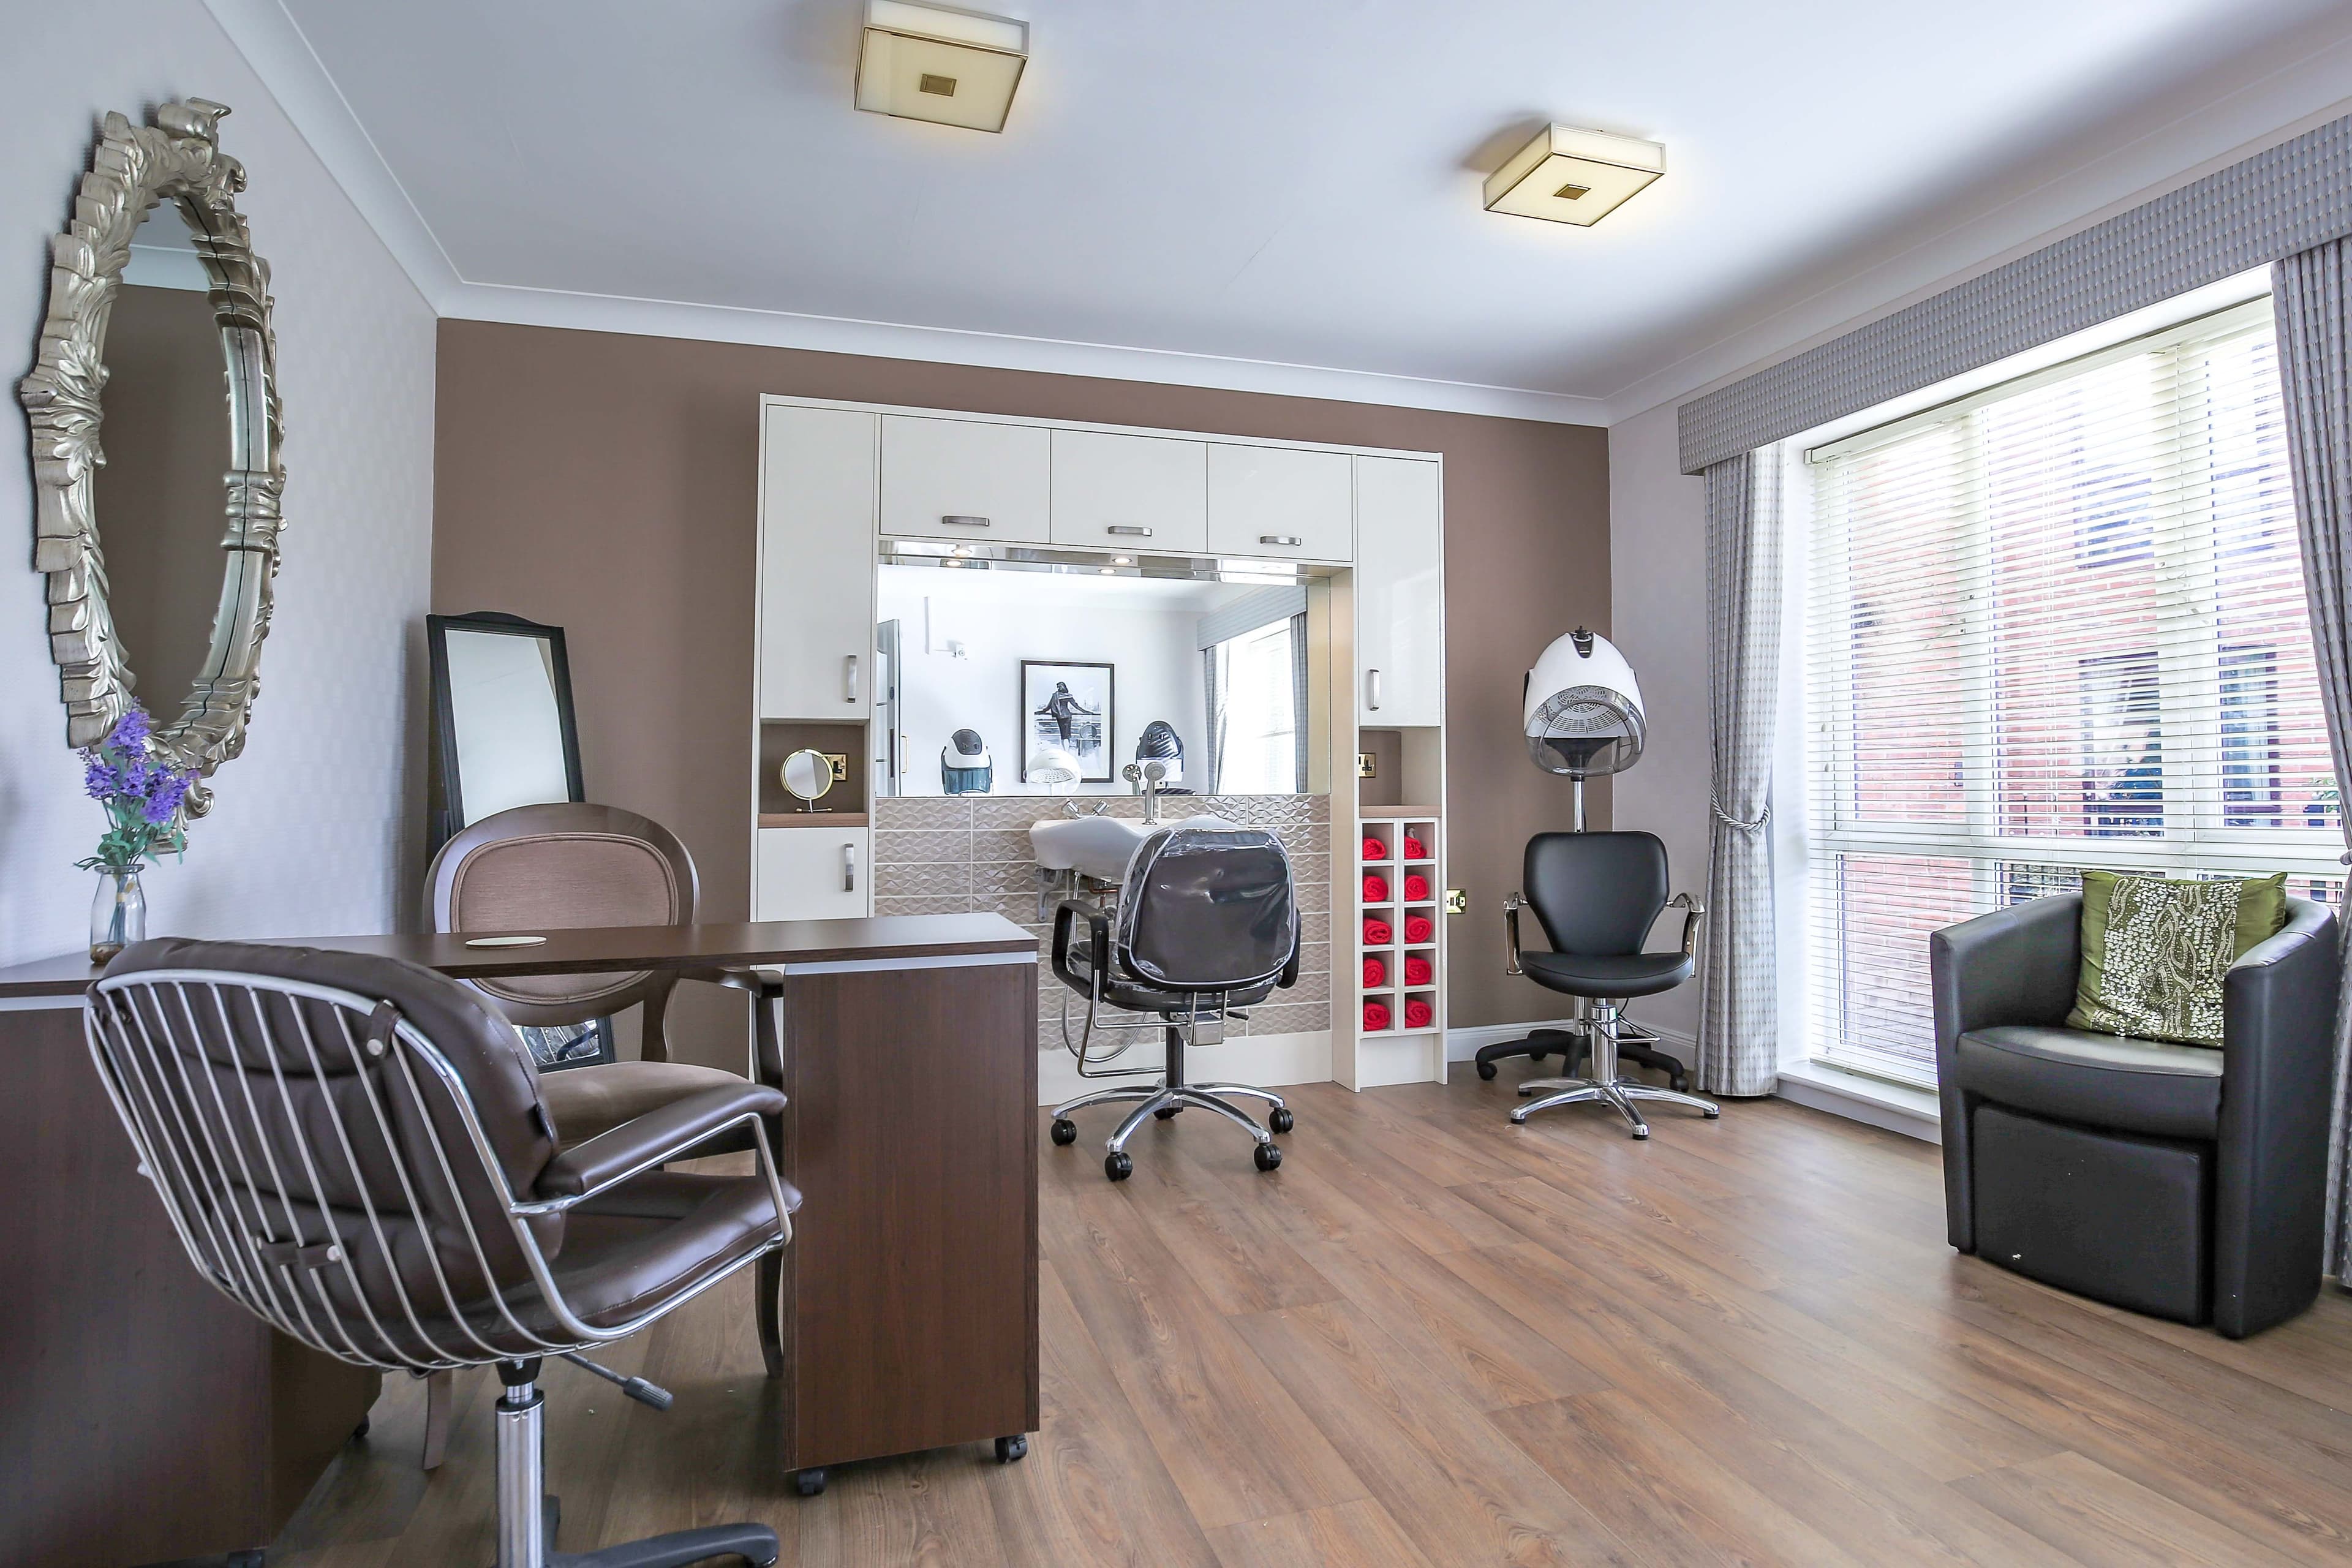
x,y
603,949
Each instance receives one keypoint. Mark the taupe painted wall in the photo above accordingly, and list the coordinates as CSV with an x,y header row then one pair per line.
x,y
607,483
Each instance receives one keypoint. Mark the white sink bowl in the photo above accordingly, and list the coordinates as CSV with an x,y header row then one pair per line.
x,y
1100,847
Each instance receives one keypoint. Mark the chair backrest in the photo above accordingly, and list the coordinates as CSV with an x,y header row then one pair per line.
x,y
340,1141
1596,894
560,866
1206,910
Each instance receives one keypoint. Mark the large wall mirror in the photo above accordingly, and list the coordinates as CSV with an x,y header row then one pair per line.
x,y
155,431
1004,676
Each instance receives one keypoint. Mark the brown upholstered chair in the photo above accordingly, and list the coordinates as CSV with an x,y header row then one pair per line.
x,y
567,866
358,1153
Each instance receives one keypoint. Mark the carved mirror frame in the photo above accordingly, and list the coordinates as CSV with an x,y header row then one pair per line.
x,y
135,167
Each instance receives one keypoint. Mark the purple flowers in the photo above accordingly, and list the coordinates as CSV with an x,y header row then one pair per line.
x,y
142,794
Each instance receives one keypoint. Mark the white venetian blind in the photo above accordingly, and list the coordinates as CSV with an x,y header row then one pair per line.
x,y
2056,625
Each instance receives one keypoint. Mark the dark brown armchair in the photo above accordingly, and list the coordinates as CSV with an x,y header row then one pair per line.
x,y
567,866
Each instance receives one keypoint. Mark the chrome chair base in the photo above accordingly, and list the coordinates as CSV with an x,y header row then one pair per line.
x,y
1164,1099
1605,1087
528,1516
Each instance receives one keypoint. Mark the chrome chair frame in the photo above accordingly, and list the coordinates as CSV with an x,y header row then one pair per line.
x,y
199,1184
1606,1030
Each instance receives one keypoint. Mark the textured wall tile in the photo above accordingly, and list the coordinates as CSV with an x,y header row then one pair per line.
x,y
1314,957
1314,898
921,906
1006,879
1003,844
923,882
904,813
1292,1018
1314,928
1315,987
932,847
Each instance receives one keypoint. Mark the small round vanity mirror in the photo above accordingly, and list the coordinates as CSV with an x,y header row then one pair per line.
x,y
807,775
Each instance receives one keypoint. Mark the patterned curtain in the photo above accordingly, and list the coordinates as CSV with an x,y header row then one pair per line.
x,y
1739,1030
2312,297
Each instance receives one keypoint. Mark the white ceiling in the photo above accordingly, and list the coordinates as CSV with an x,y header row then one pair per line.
x,y
1281,193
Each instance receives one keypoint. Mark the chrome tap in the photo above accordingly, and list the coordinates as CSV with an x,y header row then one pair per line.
x,y
1146,776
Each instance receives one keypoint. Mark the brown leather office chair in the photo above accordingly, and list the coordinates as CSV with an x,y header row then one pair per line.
x,y
358,1153
563,866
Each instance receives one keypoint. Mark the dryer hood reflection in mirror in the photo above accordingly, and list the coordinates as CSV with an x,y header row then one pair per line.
x,y
964,764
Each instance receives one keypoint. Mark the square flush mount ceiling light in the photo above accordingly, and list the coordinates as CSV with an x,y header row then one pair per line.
x,y
1573,176
929,62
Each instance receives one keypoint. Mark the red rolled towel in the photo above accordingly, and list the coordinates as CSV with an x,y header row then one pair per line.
x,y
1376,973
1420,928
1376,890
1376,1017
1377,933
1374,850
1414,850
1419,971
1416,888
1417,1013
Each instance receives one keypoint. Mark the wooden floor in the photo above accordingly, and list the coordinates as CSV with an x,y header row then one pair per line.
x,y
1433,1339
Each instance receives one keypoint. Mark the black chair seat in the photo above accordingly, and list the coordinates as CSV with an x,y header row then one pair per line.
x,y
1612,974
2102,1080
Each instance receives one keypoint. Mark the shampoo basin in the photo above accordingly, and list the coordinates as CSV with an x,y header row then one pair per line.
x,y
1100,847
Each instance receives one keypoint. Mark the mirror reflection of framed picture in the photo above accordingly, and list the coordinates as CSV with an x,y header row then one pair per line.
x,y
1067,708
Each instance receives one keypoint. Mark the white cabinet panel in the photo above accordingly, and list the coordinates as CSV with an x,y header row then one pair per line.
x,y
1143,492
816,564
1280,502
995,481
813,874
1399,593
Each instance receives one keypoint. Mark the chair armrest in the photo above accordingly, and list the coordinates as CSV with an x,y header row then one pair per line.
x,y
1512,904
659,1135
1067,914
1693,912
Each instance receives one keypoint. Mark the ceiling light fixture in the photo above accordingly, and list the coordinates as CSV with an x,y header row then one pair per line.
x,y
932,62
1573,176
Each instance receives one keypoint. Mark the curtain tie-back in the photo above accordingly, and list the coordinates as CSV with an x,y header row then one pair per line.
x,y
1715,803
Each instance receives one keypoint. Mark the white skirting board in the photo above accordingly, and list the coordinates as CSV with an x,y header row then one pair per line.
x,y
1268,1060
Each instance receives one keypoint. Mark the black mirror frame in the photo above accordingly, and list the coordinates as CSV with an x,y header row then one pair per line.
x,y
448,815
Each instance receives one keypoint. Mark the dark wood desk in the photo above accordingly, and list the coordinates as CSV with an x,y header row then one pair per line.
x,y
150,1419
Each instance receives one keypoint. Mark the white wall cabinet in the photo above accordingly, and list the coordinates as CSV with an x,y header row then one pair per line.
x,y
1399,593
816,564
1131,492
813,874
1282,501
964,480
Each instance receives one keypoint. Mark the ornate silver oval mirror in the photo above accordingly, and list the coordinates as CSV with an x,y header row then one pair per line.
x,y
155,443
807,775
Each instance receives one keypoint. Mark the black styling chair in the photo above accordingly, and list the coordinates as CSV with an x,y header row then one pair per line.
x,y
2180,1181
356,1150
1596,895
1207,924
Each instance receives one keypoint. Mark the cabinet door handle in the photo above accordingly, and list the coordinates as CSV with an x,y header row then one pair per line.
x,y
1289,540
849,678
1127,531
1372,690
958,522
849,868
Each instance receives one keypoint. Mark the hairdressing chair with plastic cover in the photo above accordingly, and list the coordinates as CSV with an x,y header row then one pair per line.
x,y
358,1152
1207,924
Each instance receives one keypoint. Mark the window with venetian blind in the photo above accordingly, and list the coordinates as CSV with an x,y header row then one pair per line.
x,y
2060,624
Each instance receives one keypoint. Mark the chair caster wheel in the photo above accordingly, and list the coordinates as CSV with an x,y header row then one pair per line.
x,y
360,1430
811,1482
1713,1113
1166,1112
1117,1167
1064,1131
1281,1120
1538,1056
1487,1071
1642,1134
1268,1156
1012,1451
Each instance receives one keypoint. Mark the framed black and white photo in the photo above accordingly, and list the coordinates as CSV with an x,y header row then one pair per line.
x,y
1067,721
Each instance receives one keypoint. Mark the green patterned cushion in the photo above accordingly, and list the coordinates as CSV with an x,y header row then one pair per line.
x,y
2155,951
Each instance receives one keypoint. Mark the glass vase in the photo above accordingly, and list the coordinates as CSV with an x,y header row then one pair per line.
x,y
118,915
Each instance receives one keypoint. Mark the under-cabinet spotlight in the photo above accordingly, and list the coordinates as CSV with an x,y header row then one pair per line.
x,y
936,63
1573,176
